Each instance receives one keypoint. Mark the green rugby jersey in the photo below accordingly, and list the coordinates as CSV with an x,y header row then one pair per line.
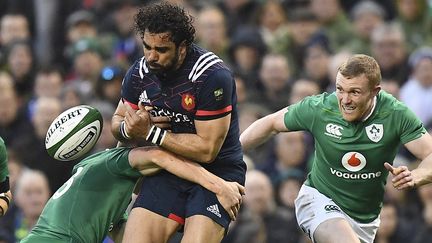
x,y
96,195
4,172
349,156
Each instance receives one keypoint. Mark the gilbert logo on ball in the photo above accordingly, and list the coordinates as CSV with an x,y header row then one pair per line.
x,y
73,133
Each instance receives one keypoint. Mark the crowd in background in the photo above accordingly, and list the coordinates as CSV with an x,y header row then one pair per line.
x,y
58,54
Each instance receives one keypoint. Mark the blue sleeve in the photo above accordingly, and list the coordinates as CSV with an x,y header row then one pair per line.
x,y
130,91
216,96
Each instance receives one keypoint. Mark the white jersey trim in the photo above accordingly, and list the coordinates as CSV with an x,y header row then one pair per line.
x,y
142,66
202,64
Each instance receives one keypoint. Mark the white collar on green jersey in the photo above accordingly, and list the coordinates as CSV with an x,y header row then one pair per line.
x,y
372,110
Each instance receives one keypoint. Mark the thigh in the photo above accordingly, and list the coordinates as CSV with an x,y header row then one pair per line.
x,y
315,211
335,230
164,194
146,226
199,228
200,201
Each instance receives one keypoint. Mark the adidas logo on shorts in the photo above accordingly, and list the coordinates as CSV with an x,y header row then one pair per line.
x,y
214,209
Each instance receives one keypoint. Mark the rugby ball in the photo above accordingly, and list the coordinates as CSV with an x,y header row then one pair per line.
x,y
73,133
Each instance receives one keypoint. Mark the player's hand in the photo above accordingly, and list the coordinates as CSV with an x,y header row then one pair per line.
x,y
402,177
230,197
163,122
137,123
4,205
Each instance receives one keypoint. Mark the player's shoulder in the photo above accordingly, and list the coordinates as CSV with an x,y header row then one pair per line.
x,y
136,70
321,101
387,102
203,63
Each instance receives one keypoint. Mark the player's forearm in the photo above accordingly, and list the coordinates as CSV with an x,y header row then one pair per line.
x,y
189,170
257,133
423,173
5,200
192,146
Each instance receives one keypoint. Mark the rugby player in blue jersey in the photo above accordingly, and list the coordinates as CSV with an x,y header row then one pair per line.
x,y
179,82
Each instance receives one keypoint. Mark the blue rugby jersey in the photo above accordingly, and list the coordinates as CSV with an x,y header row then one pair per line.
x,y
203,88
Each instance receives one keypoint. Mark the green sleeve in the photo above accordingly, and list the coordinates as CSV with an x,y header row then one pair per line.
x,y
410,126
4,172
300,116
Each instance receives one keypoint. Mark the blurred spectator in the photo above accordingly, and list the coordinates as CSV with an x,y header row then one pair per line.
x,y
21,65
270,223
316,61
424,227
272,21
288,185
248,113
87,64
392,229
333,21
126,49
211,31
416,21
335,61
106,139
246,51
80,24
13,26
48,83
303,24
12,119
109,84
365,15
31,194
74,94
391,86
301,89
275,83
417,92
35,155
388,48
238,13
244,93
290,153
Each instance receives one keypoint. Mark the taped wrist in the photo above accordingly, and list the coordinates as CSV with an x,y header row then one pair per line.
x,y
5,198
123,132
156,135
4,185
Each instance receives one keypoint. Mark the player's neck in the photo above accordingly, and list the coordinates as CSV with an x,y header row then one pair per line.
x,y
370,110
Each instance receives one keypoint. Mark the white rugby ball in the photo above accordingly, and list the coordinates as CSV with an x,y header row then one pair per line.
x,y
73,133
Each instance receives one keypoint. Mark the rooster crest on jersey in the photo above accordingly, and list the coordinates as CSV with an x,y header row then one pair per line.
x,y
73,133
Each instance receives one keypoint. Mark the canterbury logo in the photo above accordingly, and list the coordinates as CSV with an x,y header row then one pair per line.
x,y
331,208
203,63
214,209
333,130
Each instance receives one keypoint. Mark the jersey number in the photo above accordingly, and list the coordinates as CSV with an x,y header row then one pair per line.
x,y
62,190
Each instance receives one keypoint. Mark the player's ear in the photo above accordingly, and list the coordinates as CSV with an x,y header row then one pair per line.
x,y
182,48
376,89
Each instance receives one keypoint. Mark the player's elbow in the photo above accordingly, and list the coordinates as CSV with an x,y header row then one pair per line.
x,y
208,156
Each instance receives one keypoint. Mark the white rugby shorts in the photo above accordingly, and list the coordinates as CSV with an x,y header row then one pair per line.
x,y
312,208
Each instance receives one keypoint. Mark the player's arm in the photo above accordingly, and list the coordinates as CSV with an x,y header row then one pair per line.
x,y
212,122
403,177
120,131
150,159
262,129
5,193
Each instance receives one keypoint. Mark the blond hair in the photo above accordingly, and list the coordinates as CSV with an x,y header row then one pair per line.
x,y
358,65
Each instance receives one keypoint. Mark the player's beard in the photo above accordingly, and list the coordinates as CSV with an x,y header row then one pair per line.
x,y
168,68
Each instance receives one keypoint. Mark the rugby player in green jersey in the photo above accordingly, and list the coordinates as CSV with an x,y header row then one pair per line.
x,y
5,194
95,198
357,132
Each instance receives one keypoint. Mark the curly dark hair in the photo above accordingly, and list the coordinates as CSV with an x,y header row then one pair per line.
x,y
164,17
